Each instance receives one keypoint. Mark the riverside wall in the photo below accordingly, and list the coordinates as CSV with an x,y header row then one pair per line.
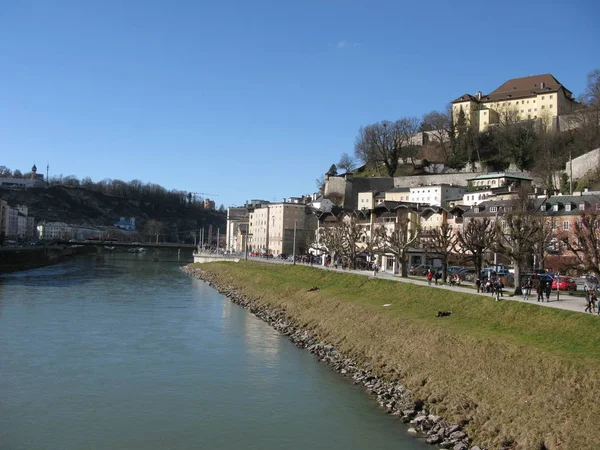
x,y
390,395
17,259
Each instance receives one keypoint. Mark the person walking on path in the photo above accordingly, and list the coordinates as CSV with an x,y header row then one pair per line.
x,y
478,284
429,277
540,291
375,269
549,290
527,285
591,300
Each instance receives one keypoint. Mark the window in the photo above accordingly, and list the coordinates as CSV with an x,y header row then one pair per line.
x,y
568,207
550,96
535,109
522,110
493,209
566,225
522,102
551,106
555,207
543,207
582,206
542,97
543,106
485,113
529,110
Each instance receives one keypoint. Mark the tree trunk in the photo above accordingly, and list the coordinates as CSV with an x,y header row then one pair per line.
x,y
445,271
517,278
403,266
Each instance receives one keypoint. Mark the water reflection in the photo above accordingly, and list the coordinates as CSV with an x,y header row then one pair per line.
x,y
130,354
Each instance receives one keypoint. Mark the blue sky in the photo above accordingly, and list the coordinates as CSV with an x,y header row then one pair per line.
x,y
255,99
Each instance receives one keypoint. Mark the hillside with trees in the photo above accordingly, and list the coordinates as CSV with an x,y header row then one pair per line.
x,y
175,215
392,148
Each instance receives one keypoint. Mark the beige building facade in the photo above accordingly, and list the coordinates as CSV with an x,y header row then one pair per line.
x,y
272,228
537,97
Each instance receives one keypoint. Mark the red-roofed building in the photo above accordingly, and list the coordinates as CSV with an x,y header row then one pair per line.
x,y
537,97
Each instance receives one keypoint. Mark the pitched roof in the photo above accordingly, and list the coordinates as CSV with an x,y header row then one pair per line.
x,y
519,88
525,87
573,200
488,176
465,98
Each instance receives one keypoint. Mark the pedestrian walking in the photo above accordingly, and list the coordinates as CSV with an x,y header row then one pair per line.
x,y
540,291
429,277
478,284
590,300
527,285
375,269
549,290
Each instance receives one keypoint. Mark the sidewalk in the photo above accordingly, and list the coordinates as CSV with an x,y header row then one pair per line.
x,y
568,302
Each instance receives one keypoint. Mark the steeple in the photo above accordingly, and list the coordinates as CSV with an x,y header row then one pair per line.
x,y
33,172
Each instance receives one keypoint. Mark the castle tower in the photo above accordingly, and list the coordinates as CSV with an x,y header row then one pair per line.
x,y
33,172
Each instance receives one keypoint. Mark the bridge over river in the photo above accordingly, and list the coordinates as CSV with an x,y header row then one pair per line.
x,y
163,245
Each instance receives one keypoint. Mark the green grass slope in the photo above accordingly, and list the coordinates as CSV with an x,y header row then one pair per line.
x,y
518,375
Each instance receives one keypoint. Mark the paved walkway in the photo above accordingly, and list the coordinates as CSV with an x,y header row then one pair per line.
x,y
566,301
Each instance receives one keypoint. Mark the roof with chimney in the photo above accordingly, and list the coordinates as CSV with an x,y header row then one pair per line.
x,y
519,88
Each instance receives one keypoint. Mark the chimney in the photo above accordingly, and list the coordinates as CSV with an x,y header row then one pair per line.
x,y
479,95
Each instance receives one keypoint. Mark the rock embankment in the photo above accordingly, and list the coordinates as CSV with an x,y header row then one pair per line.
x,y
390,394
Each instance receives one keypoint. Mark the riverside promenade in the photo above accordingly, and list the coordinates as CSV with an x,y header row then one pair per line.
x,y
566,301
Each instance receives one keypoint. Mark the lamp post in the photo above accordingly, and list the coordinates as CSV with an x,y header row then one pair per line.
x,y
246,241
294,243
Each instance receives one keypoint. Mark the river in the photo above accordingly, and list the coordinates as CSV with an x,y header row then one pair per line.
x,y
120,352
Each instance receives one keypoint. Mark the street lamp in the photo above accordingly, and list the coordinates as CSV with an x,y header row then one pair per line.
x,y
294,243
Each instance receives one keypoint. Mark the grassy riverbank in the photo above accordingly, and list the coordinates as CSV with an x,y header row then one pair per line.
x,y
521,375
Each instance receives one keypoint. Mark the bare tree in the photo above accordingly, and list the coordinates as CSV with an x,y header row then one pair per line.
x,y
346,163
385,142
320,182
438,124
516,235
474,241
442,242
397,240
584,243
329,239
353,237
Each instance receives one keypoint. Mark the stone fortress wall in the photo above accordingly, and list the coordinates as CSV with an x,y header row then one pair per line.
x,y
584,164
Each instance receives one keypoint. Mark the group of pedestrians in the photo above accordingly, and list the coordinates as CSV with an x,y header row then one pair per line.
x,y
490,285
543,288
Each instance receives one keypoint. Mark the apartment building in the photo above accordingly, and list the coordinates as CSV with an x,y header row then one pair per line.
x,y
236,229
271,228
500,179
540,97
435,195
17,224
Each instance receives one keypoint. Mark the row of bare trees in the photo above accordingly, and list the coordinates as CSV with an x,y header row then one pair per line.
x,y
518,235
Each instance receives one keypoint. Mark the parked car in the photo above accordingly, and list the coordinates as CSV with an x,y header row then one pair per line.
x,y
564,283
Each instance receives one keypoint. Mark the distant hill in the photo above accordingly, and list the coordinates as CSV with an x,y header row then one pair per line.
x,y
81,206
